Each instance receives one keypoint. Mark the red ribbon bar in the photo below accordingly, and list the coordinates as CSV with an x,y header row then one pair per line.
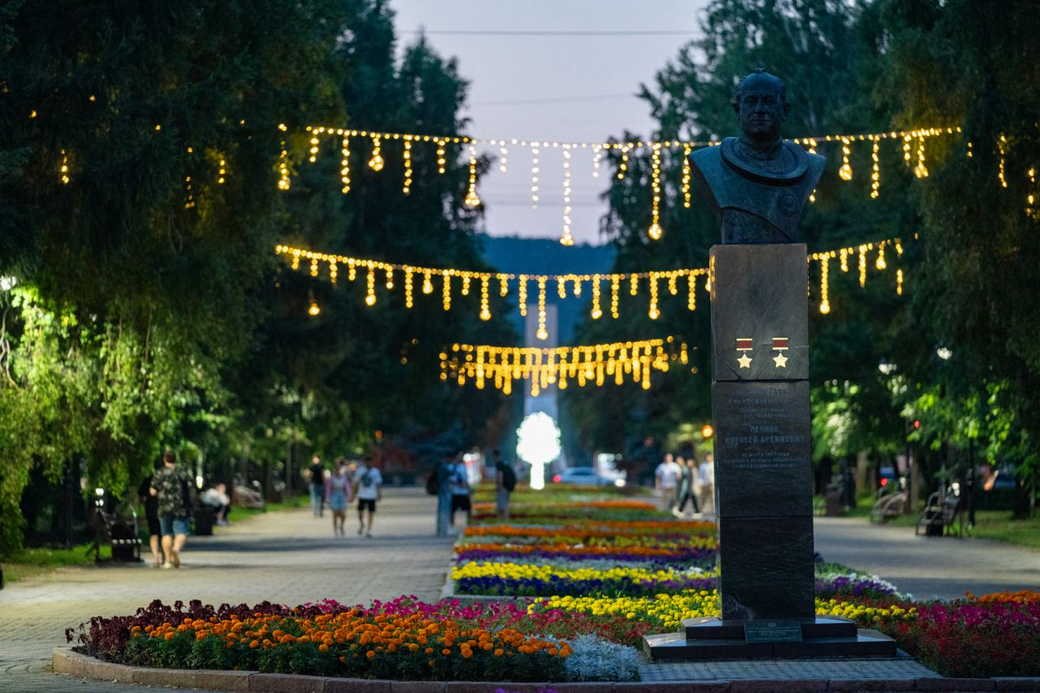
x,y
780,342
744,343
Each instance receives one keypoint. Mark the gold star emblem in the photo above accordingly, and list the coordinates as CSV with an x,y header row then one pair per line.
x,y
780,360
744,361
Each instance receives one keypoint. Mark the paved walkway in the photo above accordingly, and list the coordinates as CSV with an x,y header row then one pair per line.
x,y
927,567
289,557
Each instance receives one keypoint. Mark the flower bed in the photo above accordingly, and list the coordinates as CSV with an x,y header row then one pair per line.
x,y
988,636
666,611
569,552
530,579
598,510
402,639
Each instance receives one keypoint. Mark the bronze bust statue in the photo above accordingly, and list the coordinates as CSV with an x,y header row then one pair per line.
x,y
758,183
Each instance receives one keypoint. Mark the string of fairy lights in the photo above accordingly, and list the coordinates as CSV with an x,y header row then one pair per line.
x,y
597,364
913,143
688,280
662,153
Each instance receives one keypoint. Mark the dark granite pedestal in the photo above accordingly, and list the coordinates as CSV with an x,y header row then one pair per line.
x,y
822,637
763,471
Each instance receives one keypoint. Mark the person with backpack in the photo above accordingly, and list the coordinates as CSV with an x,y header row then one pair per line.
x,y
459,483
368,485
175,490
439,484
505,482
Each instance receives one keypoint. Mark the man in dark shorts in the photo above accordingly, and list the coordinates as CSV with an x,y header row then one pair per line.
x,y
175,489
368,485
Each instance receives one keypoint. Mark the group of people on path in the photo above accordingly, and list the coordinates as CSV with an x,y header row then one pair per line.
x,y
682,481
450,482
347,482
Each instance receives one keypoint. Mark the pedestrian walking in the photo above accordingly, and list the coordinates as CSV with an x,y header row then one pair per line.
x,y
442,479
368,482
338,490
707,479
689,485
150,501
666,480
460,491
316,472
175,490
505,482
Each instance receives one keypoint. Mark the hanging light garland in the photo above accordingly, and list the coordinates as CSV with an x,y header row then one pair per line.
x,y
565,237
653,279
655,231
654,148
913,144
862,251
616,362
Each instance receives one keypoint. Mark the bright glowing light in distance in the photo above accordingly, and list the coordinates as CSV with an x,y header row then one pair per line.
x,y
538,444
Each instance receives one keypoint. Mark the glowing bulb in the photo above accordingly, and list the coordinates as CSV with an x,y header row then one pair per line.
x,y
376,161
655,232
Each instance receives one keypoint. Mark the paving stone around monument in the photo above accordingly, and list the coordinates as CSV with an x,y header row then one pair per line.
x,y
790,670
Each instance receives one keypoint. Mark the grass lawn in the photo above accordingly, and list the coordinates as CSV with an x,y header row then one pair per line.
x,y
239,514
989,524
36,561
998,525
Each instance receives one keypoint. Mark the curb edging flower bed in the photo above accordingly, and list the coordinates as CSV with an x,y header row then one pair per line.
x,y
65,661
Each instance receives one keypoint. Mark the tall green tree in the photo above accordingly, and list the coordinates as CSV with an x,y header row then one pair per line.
x,y
961,63
139,209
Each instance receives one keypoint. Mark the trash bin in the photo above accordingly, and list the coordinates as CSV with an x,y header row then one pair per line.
x,y
205,516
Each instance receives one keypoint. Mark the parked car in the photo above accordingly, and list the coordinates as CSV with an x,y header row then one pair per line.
x,y
583,476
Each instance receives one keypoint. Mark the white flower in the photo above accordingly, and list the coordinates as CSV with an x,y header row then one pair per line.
x,y
595,659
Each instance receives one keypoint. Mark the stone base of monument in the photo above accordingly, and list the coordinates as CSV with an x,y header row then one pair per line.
x,y
824,637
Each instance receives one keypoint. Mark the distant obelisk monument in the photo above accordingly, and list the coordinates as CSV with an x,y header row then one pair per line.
x,y
758,185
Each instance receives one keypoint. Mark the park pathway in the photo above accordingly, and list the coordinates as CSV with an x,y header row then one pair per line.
x,y
289,557
927,567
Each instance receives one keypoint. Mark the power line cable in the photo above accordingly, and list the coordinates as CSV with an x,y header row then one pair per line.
x,y
521,32
554,99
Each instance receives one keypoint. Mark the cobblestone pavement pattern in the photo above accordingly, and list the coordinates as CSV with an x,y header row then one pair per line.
x,y
288,557
927,567
841,670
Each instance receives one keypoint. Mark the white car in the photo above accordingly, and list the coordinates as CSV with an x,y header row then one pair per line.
x,y
583,476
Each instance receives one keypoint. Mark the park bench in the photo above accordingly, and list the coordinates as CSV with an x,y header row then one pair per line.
x,y
887,507
121,533
941,515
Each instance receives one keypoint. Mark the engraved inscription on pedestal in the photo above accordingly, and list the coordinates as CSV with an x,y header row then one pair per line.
x,y
762,448
759,312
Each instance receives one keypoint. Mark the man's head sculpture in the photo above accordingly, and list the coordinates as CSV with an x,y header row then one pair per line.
x,y
758,183
761,105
